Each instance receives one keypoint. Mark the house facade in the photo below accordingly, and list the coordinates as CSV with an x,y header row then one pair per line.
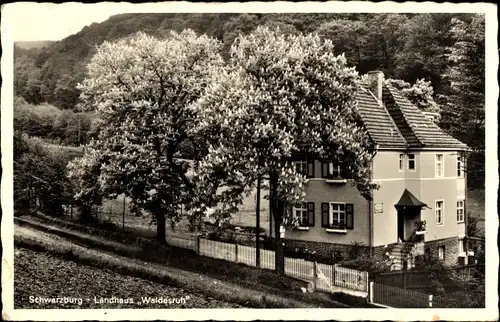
x,y
420,205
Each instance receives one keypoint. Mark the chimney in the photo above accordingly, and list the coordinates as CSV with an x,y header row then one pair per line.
x,y
375,82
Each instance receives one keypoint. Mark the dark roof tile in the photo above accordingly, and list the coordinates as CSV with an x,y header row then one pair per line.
x,y
416,128
381,128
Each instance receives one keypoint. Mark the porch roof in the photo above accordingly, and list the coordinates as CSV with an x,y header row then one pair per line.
x,y
409,200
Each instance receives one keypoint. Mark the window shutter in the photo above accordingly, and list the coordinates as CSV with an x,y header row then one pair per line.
x,y
349,213
310,214
324,169
344,170
325,214
310,168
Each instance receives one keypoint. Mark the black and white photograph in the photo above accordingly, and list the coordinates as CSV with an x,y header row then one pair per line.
x,y
160,158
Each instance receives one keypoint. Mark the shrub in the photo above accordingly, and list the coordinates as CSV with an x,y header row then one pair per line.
x,y
40,181
364,263
355,250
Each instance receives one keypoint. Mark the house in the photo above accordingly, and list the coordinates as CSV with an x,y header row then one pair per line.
x,y
420,205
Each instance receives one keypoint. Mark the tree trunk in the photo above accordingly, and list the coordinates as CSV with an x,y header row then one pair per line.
x,y
279,259
277,213
160,228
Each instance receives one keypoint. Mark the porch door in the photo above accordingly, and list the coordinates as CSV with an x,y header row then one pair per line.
x,y
401,225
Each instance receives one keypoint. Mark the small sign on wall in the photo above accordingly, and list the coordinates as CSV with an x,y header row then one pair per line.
x,y
282,232
379,208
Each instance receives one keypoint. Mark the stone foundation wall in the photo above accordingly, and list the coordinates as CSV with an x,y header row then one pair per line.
x,y
451,249
324,251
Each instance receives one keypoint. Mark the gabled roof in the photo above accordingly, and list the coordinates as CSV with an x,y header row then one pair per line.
x,y
409,200
379,124
396,123
417,129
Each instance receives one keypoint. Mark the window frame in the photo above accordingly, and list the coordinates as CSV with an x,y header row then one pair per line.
x,y
460,166
441,165
303,167
441,209
442,256
401,162
461,245
306,167
303,210
408,159
339,212
329,167
462,207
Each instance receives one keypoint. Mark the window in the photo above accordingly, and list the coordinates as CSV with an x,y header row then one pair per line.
x,y
411,162
439,165
304,212
332,170
460,171
460,210
301,167
461,246
439,212
441,253
337,215
401,162
300,212
305,167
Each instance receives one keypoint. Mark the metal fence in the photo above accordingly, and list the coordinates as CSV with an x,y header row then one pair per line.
x,y
421,280
405,279
397,297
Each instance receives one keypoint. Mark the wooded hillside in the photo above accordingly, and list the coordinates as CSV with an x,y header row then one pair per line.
x,y
445,49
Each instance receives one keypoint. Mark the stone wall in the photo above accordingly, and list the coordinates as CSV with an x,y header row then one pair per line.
x,y
324,251
451,249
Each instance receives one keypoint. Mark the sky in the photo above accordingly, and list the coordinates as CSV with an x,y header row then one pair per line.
x,y
57,21
33,21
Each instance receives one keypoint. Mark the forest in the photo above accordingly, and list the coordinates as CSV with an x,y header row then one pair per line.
x,y
446,50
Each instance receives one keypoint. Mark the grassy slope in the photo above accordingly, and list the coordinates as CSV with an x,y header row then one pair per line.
x,y
85,282
248,284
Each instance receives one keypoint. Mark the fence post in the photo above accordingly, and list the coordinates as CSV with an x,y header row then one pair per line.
x,y
367,281
334,274
430,300
197,244
370,292
315,274
236,253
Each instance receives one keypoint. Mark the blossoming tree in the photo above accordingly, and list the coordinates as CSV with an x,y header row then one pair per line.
x,y
140,88
280,95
